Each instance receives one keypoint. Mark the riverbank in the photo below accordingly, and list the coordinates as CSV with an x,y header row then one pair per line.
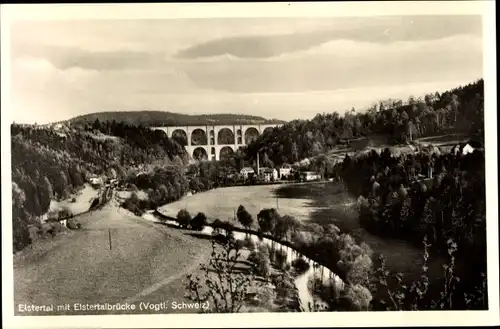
x,y
301,281
319,203
330,203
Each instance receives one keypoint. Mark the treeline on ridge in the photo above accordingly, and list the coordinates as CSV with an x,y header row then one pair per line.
x,y
160,118
458,110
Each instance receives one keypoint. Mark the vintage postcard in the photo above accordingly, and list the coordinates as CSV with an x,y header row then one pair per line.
x,y
181,165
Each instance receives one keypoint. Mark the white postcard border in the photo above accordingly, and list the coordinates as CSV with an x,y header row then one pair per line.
x,y
157,11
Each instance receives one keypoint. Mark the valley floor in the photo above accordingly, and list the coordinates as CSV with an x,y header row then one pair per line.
x,y
320,202
148,262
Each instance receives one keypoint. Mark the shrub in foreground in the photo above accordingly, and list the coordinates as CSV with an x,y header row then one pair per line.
x,y
300,265
132,204
199,221
184,218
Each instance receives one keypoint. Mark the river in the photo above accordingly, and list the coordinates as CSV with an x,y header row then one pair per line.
x,y
301,281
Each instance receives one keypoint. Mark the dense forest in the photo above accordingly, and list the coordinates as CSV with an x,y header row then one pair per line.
x,y
49,165
161,118
434,201
457,110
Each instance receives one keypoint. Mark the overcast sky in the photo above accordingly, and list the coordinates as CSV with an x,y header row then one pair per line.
x,y
277,68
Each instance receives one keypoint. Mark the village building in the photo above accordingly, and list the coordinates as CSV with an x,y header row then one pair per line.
x,y
285,171
310,176
268,174
246,172
465,148
95,181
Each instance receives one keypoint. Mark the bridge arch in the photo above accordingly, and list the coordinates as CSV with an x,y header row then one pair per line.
x,y
225,136
267,130
199,137
180,136
199,153
251,134
201,141
225,152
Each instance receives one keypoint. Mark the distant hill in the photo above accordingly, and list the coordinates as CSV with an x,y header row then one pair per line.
x,y
160,118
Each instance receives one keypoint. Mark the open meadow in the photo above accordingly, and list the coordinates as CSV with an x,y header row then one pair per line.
x,y
82,200
222,203
82,267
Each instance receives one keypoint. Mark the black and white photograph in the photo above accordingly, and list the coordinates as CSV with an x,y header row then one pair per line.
x,y
233,163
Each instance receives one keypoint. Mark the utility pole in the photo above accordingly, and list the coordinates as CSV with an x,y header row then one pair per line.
x,y
277,203
258,163
109,237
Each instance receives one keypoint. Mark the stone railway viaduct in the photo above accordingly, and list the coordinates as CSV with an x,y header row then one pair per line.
x,y
242,135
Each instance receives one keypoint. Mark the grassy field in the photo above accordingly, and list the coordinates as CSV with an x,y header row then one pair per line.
x,y
123,195
146,263
83,200
444,139
79,267
379,143
222,202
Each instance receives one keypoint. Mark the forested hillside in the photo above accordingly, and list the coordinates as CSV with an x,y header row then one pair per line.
x,y
49,165
458,110
160,118
444,213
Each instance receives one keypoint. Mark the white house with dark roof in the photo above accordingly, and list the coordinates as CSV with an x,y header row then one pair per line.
x,y
268,174
463,148
245,172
